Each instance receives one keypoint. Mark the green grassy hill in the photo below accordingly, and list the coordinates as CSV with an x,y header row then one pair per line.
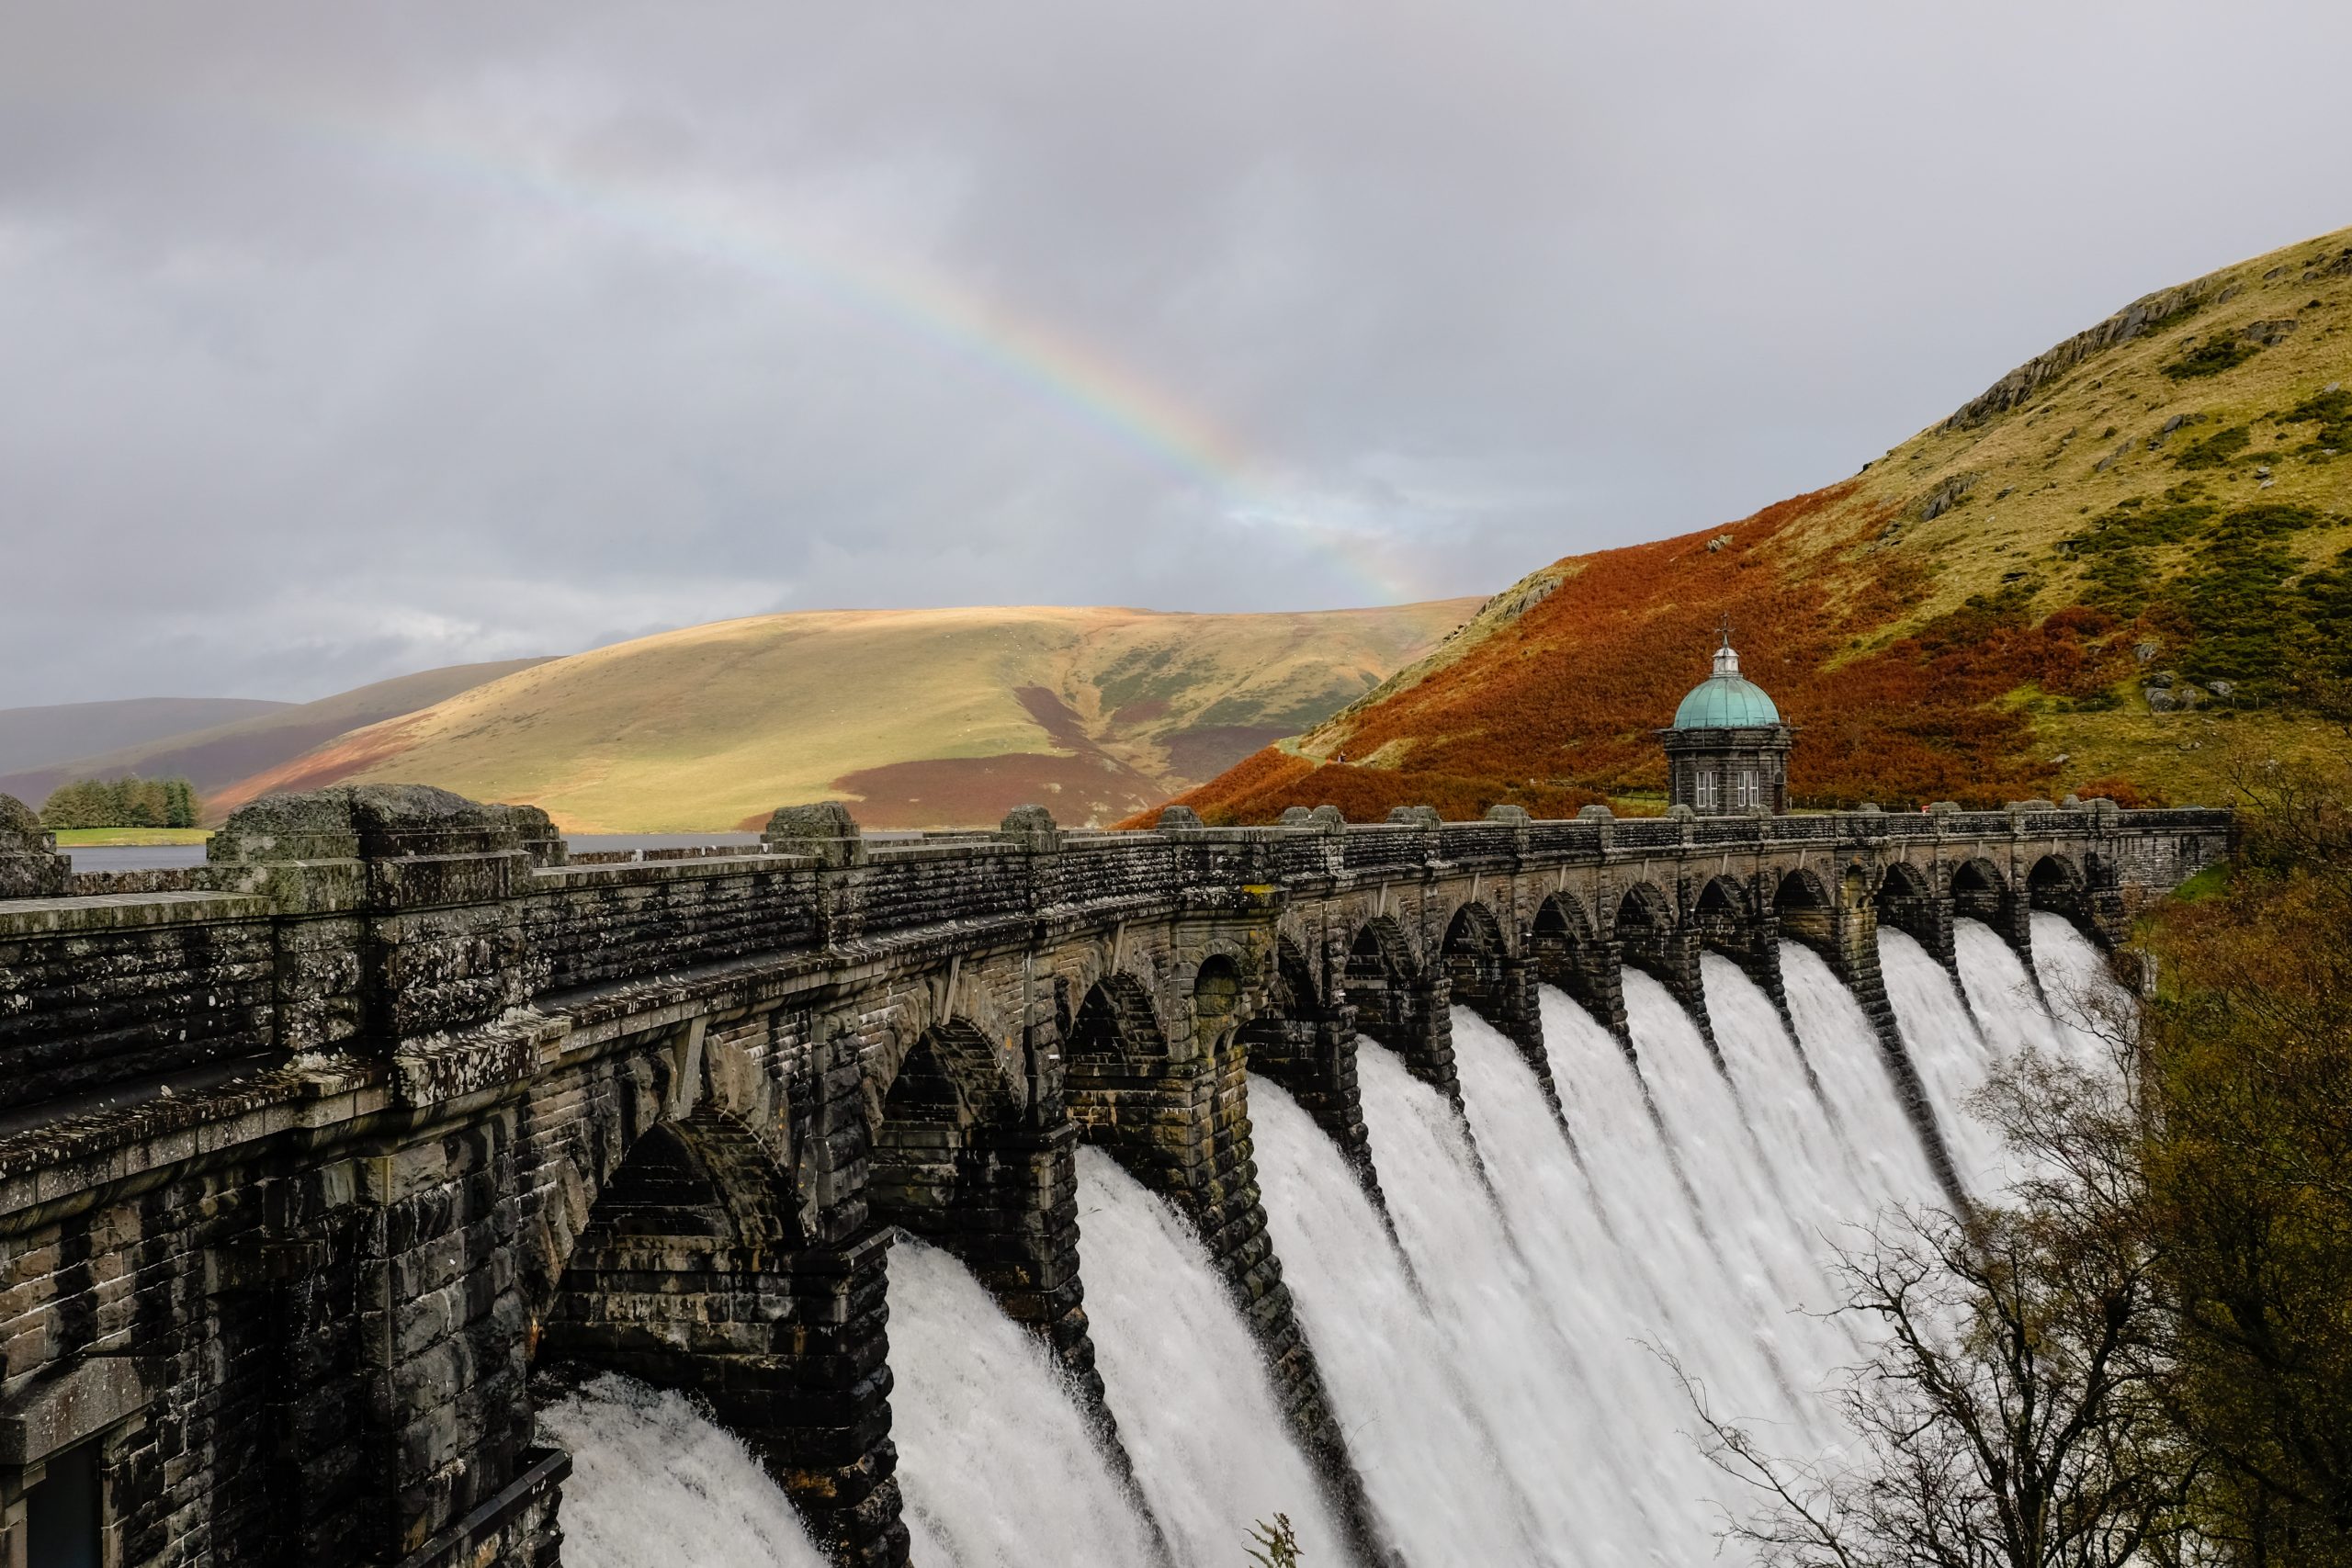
x,y
2131,549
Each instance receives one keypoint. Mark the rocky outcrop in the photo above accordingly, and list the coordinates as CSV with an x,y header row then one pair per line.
x,y
2153,313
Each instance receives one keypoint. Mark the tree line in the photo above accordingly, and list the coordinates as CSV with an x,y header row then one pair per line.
x,y
2141,1352
122,803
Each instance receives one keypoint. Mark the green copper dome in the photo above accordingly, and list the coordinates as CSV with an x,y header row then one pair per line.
x,y
1725,700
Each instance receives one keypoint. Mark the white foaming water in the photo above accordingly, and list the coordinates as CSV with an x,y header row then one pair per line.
x,y
1608,1285
1430,1461
1509,1348
998,1466
1187,1383
654,1481
1822,1183
1875,1129
2083,998
1956,1048
1695,1231
1953,1056
2004,997
1769,1250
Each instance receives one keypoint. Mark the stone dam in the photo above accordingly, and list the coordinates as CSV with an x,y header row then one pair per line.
x,y
325,1167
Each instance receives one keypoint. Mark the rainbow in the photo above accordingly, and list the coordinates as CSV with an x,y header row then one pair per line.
x,y
1087,384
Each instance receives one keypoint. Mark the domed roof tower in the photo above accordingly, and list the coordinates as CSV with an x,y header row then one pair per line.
x,y
1727,751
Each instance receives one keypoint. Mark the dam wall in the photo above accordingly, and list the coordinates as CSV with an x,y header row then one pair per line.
x,y
321,1163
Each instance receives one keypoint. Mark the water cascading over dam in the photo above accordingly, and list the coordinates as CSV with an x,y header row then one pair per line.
x,y
1500,1345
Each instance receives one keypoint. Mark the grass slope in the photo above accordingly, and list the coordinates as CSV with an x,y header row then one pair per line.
x,y
216,757
918,717
2161,503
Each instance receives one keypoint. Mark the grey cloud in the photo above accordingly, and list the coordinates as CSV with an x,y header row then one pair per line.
x,y
339,340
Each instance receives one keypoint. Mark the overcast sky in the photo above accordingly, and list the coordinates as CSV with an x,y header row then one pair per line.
x,y
339,340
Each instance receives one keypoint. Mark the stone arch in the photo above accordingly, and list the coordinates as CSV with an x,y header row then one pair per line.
x,y
2054,883
1474,929
1723,914
959,1162
1292,993
1482,973
1560,925
1980,892
2102,914
688,1275
1288,1034
1218,995
954,1066
1380,953
1380,979
1475,954
1729,920
1179,1122
1302,1043
938,1114
1907,901
699,1195
1801,906
1116,1026
963,1032
574,1158
1567,954
1645,931
1401,1004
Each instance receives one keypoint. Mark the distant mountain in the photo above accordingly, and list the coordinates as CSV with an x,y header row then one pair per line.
x,y
33,738
916,717
2126,551
218,754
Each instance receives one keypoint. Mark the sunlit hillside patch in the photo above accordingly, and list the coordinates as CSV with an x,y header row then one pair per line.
x,y
917,718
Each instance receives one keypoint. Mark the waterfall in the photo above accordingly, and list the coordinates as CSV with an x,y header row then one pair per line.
x,y
654,1481
1844,1051
2081,990
1693,1218
1622,1267
1954,1040
1433,1467
1187,1383
1493,1358
1956,1046
996,1463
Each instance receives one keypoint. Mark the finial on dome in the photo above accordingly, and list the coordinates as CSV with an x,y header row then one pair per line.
x,y
1726,660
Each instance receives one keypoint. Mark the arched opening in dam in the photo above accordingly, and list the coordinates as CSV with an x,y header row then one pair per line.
x,y
664,1359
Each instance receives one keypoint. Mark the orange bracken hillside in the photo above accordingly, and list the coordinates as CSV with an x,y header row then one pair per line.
x,y
1989,612
1557,709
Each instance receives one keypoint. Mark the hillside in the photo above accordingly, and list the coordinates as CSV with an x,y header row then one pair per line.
x,y
917,717
2087,578
34,738
215,757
